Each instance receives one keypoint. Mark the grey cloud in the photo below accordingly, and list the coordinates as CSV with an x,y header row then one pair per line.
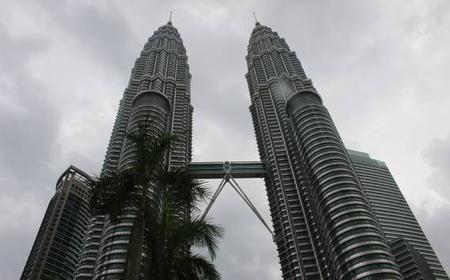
x,y
438,157
27,120
28,125
100,29
12,264
247,250
436,227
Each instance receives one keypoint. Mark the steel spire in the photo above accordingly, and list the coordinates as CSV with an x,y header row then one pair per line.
x,y
256,20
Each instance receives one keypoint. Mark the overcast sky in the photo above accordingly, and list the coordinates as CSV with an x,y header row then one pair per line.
x,y
382,68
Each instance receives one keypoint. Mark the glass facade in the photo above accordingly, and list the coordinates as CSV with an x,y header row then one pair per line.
x,y
324,225
159,92
57,247
396,219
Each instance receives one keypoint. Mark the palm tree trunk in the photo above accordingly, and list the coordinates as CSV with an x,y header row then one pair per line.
x,y
134,255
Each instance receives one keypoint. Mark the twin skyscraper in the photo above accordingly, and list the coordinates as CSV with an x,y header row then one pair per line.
x,y
336,213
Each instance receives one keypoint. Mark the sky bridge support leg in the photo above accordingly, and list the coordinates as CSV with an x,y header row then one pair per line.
x,y
215,195
244,197
229,179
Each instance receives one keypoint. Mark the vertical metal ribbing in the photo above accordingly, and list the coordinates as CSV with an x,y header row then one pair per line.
x,y
339,249
279,176
162,67
268,71
276,188
311,261
97,224
149,108
89,256
181,127
349,230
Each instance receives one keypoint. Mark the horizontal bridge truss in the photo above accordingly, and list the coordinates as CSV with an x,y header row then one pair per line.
x,y
217,169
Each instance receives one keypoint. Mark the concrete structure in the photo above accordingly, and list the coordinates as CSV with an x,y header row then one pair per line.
x,y
411,263
324,226
337,214
399,226
396,219
159,92
217,170
57,246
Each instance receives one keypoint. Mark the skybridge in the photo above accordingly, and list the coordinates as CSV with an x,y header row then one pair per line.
x,y
217,169
228,171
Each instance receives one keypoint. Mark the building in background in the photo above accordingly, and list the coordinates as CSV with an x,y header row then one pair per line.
x,y
158,91
411,263
414,254
58,244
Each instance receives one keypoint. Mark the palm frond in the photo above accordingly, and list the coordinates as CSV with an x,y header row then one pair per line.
x,y
151,147
196,267
188,191
165,202
200,233
114,193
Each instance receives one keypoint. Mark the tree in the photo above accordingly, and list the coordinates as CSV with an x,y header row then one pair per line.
x,y
165,204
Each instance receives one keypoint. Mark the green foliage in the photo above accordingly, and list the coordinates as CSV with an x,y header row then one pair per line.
x,y
166,203
115,193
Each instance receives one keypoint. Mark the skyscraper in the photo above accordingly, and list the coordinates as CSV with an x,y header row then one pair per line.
x,y
324,225
158,91
57,246
408,242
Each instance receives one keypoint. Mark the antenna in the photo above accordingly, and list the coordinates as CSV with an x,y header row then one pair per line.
x,y
170,16
256,20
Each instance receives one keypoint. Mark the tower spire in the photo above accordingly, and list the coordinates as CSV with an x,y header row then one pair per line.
x,y
170,17
256,20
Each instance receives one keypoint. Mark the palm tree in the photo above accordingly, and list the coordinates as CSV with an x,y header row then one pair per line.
x,y
172,230
165,204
